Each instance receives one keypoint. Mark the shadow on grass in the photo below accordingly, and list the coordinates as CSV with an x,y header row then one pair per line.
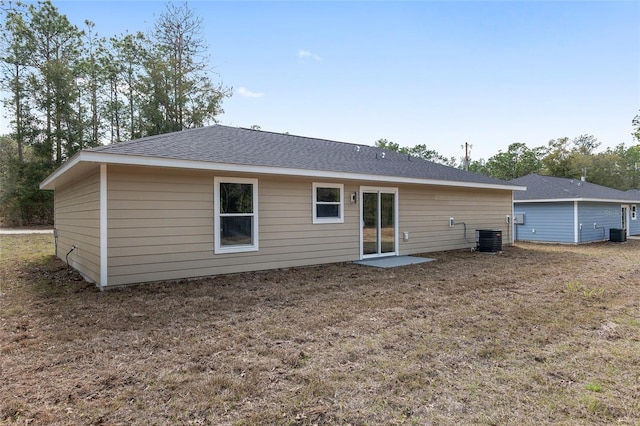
x,y
50,277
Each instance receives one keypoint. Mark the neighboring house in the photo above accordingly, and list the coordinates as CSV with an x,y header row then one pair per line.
x,y
635,195
218,200
565,210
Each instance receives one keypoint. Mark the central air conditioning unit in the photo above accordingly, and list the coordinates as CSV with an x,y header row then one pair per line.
x,y
489,240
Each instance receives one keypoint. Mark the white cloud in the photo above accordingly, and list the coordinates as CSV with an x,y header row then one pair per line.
x,y
243,91
306,54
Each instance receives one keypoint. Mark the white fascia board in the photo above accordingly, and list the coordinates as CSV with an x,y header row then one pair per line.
x,y
136,160
45,184
599,200
549,200
565,200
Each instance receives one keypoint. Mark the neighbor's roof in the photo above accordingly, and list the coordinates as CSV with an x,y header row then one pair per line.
x,y
635,194
225,148
548,188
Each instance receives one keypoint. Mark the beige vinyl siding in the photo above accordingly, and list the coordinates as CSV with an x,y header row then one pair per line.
x,y
160,223
77,221
160,227
425,213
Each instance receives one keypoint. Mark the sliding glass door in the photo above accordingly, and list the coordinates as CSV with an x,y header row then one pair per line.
x,y
379,221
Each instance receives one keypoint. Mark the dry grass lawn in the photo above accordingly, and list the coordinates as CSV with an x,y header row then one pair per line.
x,y
539,334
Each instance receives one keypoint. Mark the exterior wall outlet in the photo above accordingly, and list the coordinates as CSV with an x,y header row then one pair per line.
x,y
507,219
451,222
581,227
594,226
405,236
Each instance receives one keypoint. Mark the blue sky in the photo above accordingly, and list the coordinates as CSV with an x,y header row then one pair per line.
x,y
422,72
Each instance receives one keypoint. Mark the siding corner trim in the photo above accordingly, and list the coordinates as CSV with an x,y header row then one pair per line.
x,y
576,225
104,279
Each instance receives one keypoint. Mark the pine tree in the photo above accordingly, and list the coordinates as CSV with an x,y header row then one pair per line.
x,y
179,89
16,47
56,44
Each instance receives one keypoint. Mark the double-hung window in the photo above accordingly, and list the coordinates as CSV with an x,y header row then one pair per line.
x,y
236,214
328,203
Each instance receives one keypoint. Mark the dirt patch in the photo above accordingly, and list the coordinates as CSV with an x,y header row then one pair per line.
x,y
538,334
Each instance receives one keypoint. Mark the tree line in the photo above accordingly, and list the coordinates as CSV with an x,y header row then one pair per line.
x,y
617,167
67,88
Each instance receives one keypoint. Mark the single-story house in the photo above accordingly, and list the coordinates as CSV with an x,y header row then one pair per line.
x,y
219,199
572,211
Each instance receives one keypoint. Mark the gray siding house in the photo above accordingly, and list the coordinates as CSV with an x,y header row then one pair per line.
x,y
571,211
218,200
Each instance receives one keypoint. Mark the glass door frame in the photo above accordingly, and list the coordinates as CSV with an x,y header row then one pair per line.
x,y
625,217
379,190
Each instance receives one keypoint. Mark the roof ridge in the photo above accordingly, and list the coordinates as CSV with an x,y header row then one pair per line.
x,y
311,138
146,138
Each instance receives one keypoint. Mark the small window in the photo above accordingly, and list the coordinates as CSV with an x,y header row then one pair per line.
x,y
328,203
236,215
634,212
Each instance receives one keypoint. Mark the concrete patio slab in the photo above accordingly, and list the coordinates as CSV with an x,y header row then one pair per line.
x,y
393,261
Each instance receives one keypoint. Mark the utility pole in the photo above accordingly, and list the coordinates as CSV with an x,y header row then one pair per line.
x,y
467,148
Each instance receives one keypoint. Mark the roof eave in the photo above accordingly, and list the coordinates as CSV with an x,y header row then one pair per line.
x,y
49,182
561,200
138,160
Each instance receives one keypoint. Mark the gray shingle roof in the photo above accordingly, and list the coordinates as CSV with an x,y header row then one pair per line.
x,y
231,145
635,194
551,188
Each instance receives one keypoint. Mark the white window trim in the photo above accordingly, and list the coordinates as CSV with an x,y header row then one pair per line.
x,y
219,249
634,212
314,194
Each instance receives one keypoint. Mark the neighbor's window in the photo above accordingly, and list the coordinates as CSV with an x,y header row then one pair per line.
x,y
236,214
328,203
634,212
